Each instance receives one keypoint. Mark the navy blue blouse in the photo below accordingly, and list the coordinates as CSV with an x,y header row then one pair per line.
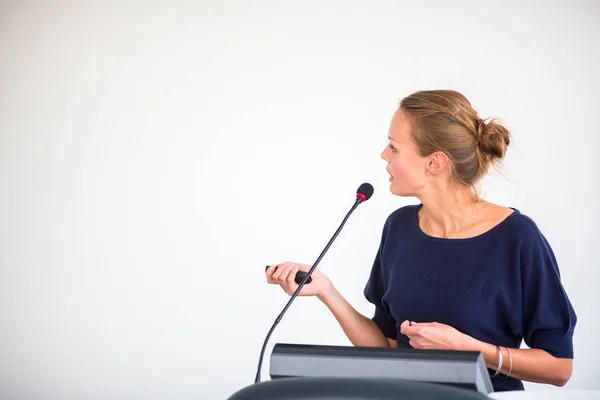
x,y
500,287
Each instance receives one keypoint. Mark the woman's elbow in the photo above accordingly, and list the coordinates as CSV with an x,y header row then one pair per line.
x,y
564,372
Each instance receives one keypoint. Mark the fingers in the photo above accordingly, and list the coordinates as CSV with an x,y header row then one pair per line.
x,y
403,327
421,336
269,273
279,272
409,328
290,284
274,272
285,276
420,343
413,328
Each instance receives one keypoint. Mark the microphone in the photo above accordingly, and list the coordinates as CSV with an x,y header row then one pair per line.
x,y
364,193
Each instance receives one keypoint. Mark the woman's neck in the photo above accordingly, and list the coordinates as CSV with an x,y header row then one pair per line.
x,y
447,213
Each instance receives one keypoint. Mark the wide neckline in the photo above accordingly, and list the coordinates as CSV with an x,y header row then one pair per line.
x,y
483,235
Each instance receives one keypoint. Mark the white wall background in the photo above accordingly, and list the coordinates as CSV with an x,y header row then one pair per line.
x,y
155,156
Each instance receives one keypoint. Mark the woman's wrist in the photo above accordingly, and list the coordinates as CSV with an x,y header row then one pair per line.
x,y
327,293
488,351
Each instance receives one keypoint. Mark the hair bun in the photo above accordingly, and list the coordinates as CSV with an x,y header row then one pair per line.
x,y
492,139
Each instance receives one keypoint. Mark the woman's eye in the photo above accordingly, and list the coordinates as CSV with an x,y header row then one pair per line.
x,y
392,148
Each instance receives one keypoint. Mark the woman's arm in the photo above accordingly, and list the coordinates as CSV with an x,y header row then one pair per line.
x,y
532,365
361,331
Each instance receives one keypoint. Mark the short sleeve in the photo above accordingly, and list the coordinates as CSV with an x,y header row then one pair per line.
x,y
548,316
374,290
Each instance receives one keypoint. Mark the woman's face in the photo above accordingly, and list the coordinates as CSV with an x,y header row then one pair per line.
x,y
407,168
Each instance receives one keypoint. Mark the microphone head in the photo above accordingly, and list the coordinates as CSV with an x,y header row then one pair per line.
x,y
365,191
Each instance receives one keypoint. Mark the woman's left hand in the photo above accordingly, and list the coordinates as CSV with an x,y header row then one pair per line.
x,y
433,335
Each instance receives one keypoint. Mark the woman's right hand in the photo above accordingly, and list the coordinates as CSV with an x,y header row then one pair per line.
x,y
285,276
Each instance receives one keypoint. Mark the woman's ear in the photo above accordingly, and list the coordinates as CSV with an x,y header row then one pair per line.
x,y
438,161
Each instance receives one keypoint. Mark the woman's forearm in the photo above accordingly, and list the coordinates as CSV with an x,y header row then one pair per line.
x,y
533,365
361,331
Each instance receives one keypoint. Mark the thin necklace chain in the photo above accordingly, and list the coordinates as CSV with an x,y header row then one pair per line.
x,y
465,227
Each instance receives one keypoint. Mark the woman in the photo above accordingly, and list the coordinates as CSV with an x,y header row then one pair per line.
x,y
456,272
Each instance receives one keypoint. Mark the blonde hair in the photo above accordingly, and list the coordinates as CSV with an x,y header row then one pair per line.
x,y
444,120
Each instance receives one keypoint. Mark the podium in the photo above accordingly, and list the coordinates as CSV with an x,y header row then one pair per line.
x,y
352,389
300,371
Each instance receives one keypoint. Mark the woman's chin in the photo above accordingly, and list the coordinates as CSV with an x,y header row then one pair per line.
x,y
395,189
398,190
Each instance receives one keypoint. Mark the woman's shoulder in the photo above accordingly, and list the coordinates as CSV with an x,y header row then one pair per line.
x,y
512,222
403,214
400,219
